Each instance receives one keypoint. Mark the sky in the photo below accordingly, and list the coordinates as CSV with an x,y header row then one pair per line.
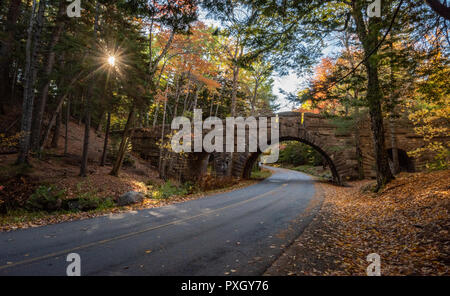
x,y
290,83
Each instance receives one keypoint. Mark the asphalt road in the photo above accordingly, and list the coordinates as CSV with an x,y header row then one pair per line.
x,y
238,233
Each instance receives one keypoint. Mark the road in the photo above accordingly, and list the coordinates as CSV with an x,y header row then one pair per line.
x,y
237,233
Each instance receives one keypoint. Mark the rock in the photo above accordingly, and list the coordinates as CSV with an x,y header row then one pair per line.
x,y
81,204
129,198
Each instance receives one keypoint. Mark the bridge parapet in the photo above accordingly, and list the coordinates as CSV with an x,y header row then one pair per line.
x,y
337,146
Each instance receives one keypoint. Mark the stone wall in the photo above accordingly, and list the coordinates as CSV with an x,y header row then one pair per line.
x,y
337,146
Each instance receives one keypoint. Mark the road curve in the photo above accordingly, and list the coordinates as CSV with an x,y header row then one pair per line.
x,y
237,233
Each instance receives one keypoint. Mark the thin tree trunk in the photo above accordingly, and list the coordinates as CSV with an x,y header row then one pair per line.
x,y
217,109
50,60
87,117
58,108
359,155
177,98
236,69
66,140
194,105
57,131
187,93
105,145
80,108
255,95
13,85
161,150
234,91
211,106
123,145
87,129
155,117
30,78
395,158
99,125
6,52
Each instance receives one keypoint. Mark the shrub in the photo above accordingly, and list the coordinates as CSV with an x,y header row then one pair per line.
x,y
261,175
169,189
86,204
45,198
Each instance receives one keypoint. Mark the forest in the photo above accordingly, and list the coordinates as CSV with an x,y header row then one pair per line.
x,y
128,64
81,80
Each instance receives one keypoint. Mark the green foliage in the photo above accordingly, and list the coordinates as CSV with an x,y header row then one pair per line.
x,y
88,202
314,171
51,199
169,189
113,152
296,153
344,125
260,175
45,198
441,160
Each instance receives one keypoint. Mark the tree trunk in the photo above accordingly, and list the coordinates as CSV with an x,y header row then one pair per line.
x,y
99,125
359,155
392,105
58,108
187,93
87,116
439,8
161,150
212,106
384,174
369,38
50,60
66,140
155,117
87,129
7,47
177,97
395,159
80,108
123,145
235,83
57,131
30,78
105,145
194,105
255,95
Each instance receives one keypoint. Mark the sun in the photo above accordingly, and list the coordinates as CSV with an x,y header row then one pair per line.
x,y
111,60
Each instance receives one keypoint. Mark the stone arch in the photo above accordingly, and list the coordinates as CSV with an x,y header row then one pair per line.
x,y
308,139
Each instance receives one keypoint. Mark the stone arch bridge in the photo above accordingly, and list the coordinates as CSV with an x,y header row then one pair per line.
x,y
337,146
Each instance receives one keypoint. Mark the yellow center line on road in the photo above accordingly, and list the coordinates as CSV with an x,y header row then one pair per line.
x,y
124,236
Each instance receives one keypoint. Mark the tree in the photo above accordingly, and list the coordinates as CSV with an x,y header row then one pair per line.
x,y
41,103
7,48
429,104
440,8
32,51
87,114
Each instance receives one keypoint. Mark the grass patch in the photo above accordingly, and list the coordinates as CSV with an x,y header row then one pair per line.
x,y
169,189
314,171
260,175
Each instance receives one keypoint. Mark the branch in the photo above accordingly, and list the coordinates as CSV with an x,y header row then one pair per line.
x,y
439,8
